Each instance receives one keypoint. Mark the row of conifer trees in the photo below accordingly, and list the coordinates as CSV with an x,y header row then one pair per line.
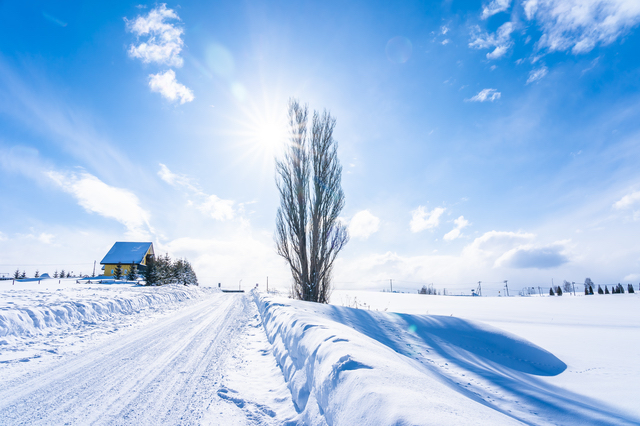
x,y
163,270
588,289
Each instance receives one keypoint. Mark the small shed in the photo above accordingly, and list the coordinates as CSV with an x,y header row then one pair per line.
x,y
127,254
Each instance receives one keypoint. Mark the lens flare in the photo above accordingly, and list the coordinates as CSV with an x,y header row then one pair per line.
x,y
399,50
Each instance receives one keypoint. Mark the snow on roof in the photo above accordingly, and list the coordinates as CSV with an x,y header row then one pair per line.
x,y
126,252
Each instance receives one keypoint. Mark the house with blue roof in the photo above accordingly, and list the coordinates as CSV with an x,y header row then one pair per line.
x,y
127,254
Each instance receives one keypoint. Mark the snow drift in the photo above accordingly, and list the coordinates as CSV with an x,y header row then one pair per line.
x,y
43,312
346,366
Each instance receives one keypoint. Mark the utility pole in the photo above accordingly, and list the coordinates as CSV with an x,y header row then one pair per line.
x,y
573,284
94,268
391,284
507,287
480,288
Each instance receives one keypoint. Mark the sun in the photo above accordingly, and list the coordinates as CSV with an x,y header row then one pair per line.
x,y
270,134
263,130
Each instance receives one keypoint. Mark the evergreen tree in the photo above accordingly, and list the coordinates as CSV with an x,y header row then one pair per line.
x,y
590,290
620,289
600,291
606,290
551,293
132,272
117,273
37,275
150,273
16,274
559,291
55,274
193,279
23,275
62,274
630,288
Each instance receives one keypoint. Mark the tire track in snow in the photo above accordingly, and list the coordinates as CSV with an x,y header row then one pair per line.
x,y
166,373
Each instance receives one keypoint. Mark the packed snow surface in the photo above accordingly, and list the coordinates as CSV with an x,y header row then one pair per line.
x,y
79,353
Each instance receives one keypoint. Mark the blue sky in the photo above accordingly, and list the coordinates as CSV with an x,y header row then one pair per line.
x,y
483,141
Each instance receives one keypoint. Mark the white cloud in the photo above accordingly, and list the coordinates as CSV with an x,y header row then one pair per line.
x,y
217,208
496,6
97,197
45,238
500,40
422,219
627,201
163,40
485,95
580,25
174,179
2,237
493,244
363,224
530,256
210,205
456,232
166,84
444,29
538,74
631,277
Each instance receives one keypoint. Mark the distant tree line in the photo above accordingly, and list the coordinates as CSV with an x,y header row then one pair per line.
x,y
589,288
428,290
162,270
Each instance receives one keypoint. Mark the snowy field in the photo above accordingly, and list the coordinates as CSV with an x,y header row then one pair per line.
x,y
596,336
124,354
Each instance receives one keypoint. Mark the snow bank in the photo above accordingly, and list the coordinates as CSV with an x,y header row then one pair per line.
x,y
348,366
338,375
26,313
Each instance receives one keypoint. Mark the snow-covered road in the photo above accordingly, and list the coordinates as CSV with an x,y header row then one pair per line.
x,y
190,367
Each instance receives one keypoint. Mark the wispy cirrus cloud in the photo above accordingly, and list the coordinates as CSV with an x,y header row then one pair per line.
x,y
496,6
209,204
500,41
167,85
485,95
579,25
537,74
95,196
422,219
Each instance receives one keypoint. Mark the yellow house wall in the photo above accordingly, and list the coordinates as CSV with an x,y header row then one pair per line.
x,y
110,269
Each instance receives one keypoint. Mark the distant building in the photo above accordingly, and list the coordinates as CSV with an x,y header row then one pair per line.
x,y
126,254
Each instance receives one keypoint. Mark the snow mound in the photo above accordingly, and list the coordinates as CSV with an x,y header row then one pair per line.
x,y
348,366
39,313
338,375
